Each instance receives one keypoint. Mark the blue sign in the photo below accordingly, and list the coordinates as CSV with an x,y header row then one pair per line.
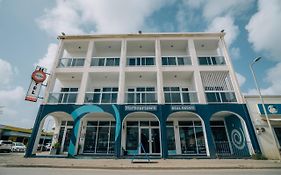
x,y
271,109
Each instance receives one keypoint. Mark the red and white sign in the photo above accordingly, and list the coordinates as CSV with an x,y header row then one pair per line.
x,y
38,77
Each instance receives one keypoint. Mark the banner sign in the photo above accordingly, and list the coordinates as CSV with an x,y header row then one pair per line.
x,y
141,108
271,109
183,108
37,78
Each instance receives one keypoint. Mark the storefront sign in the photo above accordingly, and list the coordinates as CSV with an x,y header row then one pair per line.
x,y
183,108
37,78
271,109
141,108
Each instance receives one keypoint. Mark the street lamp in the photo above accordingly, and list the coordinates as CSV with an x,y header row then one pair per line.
x,y
262,102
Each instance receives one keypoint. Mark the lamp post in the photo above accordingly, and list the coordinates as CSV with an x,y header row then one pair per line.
x,y
262,102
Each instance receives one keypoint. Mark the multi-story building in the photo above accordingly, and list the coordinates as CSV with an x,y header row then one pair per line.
x,y
163,94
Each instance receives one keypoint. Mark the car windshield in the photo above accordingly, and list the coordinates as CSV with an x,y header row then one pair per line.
x,y
19,144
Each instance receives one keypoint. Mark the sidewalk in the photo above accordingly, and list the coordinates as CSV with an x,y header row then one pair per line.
x,y
20,161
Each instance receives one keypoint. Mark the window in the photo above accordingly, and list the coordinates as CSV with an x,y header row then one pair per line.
x,y
105,61
141,95
140,61
71,62
66,95
215,60
176,61
102,95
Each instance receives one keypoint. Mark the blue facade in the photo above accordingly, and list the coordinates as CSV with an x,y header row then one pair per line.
x,y
162,112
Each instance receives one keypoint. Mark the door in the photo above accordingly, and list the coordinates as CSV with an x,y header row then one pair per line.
x,y
155,141
150,140
145,140
67,139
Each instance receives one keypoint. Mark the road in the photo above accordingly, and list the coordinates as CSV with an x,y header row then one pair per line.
x,y
58,171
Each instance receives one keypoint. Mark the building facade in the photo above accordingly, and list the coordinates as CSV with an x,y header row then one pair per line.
x,y
162,94
263,133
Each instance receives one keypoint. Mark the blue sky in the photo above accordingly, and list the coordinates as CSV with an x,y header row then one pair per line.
x,y
28,31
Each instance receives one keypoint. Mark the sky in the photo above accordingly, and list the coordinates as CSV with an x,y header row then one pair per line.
x,y
28,32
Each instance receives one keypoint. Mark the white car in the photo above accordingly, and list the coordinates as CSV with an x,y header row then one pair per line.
x,y
5,146
18,147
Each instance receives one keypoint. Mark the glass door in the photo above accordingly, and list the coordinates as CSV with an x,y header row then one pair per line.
x,y
155,140
67,139
145,141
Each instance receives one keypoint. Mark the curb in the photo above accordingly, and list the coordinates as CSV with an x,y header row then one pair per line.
x,y
134,167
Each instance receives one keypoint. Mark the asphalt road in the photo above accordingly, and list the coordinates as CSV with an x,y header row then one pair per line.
x,y
58,171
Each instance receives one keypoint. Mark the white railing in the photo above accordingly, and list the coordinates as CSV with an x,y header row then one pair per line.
x,y
101,97
220,97
211,60
140,61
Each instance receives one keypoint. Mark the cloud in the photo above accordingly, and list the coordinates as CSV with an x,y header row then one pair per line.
x,y
235,53
273,78
226,23
78,17
48,60
11,97
6,72
241,79
264,28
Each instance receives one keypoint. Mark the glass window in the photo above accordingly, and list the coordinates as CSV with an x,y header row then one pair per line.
x,y
213,97
228,97
80,62
144,123
72,98
132,139
171,138
188,142
154,123
149,61
171,61
110,62
101,62
176,98
105,98
185,123
277,131
180,61
92,123
164,61
169,123
117,61
132,123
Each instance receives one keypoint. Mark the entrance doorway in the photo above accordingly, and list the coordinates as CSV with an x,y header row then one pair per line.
x,y
141,135
64,135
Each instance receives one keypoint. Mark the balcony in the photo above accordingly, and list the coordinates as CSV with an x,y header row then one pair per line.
x,y
141,61
176,60
102,96
105,61
62,97
220,97
176,95
211,60
71,62
141,95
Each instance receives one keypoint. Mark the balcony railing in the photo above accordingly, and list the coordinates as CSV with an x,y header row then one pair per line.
x,y
141,61
141,97
71,62
176,60
183,97
62,97
211,60
220,96
105,61
101,97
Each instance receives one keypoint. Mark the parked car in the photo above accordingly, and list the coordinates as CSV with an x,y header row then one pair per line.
x,y
18,147
5,146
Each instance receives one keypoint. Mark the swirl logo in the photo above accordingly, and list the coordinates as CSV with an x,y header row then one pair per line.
x,y
237,138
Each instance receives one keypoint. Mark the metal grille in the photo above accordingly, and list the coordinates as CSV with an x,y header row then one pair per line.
x,y
216,81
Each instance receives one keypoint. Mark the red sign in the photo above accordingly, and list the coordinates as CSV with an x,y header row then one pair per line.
x,y
38,76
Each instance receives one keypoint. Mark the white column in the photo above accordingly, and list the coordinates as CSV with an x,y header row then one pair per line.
x,y
52,78
160,92
84,81
197,76
121,85
232,73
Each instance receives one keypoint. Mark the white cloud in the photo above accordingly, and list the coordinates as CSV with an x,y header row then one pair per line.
x,y
264,28
106,16
48,60
226,23
11,97
6,72
273,77
241,79
235,53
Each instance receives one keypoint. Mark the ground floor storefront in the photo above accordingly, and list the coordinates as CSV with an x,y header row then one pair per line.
x,y
163,131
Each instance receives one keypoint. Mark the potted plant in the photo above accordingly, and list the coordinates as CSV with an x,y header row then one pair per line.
x,y
55,148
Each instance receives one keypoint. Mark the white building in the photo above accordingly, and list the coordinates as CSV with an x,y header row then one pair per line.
x,y
264,135
166,94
